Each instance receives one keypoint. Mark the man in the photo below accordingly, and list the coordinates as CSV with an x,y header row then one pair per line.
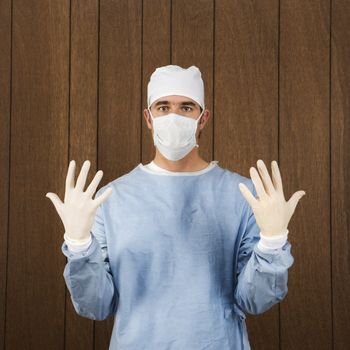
x,y
181,250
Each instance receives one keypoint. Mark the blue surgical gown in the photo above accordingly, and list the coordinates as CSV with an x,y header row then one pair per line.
x,y
174,259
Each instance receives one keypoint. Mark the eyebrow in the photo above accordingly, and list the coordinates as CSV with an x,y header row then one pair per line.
x,y
165,102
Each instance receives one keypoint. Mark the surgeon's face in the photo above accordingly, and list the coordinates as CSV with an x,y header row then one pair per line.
x,y
177,104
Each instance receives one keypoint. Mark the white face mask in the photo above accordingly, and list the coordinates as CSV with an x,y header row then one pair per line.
x,y
174,134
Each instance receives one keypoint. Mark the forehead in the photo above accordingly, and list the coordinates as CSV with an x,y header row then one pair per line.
x,y
174,99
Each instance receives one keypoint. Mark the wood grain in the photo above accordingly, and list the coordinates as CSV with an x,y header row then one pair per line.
x,y
73,85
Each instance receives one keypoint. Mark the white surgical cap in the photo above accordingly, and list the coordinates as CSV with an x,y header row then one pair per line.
x,y
174,80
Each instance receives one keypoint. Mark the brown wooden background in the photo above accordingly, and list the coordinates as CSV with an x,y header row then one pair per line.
x,y
73,85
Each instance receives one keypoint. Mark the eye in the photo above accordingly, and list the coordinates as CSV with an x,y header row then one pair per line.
x,y
188,107
162,107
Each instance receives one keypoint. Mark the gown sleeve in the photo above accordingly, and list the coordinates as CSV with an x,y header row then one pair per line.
x,y
261,276
88,275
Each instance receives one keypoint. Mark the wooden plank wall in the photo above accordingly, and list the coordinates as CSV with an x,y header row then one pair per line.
x,y
73,85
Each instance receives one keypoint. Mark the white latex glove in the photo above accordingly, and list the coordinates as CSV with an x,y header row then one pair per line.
x,y
78,210
272,213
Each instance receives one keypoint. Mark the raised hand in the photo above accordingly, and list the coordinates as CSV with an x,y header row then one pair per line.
x,y
78,210
272,212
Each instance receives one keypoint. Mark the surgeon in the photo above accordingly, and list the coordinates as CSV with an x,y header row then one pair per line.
x,y
178,250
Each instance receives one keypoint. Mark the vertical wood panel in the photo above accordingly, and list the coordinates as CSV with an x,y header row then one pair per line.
x,y
246,108
119,102
39,125
306,317
83,131
5,106
192,44
156,44
340,167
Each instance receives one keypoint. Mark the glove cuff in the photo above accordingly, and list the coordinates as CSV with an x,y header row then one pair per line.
x,y
273,242
77,242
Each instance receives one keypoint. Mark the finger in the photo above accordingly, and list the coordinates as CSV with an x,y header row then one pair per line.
x,y
277,176
293,201
70,175
247,194
100,199
94,184
83,175
270,189
55,200
260,190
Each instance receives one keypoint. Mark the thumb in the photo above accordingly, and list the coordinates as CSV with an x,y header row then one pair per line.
x,y
55,200
293,201
246,193
101,198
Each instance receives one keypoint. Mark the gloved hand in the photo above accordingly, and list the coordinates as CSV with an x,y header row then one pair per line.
x,y
272,213
78,210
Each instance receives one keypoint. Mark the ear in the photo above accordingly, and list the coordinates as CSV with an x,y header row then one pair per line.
x,y
204,118
147,118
